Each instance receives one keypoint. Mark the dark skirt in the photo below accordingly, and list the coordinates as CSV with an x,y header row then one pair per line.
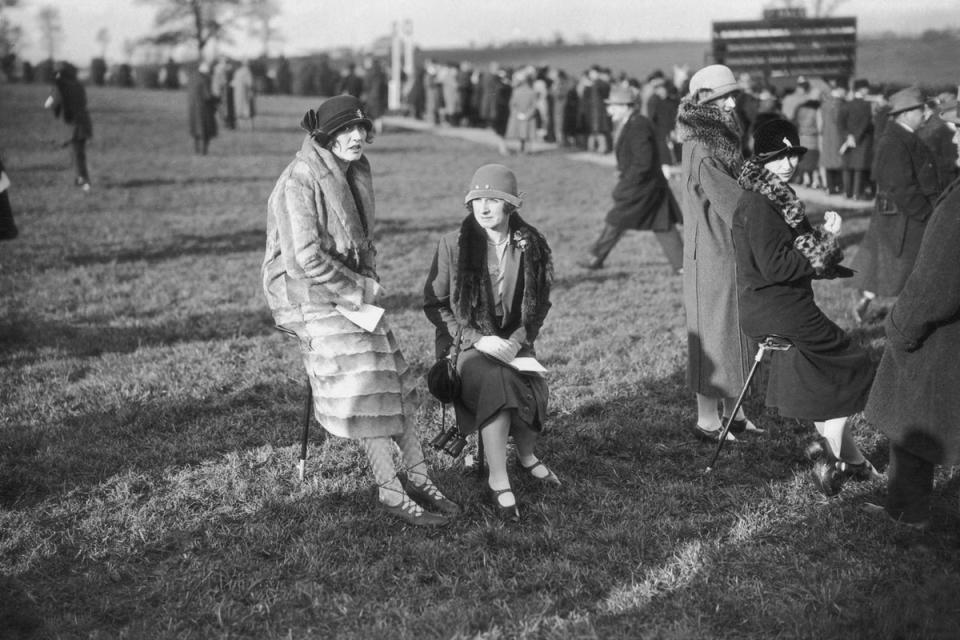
x,y
825,375
489,387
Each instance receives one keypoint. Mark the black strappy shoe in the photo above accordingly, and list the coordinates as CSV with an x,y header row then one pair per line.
x,y
507,514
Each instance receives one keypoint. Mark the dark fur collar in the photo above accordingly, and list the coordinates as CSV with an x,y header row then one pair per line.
x,y
821,248
471,295
706,124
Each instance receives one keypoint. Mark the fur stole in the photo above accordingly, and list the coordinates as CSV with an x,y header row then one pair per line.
x,y
820,247
707,124
471,295
347,193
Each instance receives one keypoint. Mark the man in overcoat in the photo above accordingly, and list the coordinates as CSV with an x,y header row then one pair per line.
x,y
69,102
914,398
938,136
642,198
907,187
856,126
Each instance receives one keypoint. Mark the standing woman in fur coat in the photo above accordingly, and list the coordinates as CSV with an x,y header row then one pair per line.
x,y
320,259
718,351
489,284
825,376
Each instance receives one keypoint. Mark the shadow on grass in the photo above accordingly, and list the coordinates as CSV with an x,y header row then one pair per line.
x,y
144,437
23,339
179,246
136,183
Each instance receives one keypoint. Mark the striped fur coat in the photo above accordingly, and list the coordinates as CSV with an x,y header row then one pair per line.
x,y
319,254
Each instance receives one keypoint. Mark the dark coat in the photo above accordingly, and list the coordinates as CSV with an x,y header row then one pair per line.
x,y
830,135
663,115
825,375
70,103
907,186
914,400
939,139
202,107
642,198
856,119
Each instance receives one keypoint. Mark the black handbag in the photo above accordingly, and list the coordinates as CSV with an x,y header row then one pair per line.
x,y
443,381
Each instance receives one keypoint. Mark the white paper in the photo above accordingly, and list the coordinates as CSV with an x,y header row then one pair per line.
x,y
367,317
528,365
4,181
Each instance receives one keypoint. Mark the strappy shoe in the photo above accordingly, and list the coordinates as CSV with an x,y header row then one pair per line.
x,y
743,426
711,435
827,478
550,479
860,472
505,513
429,496
412,513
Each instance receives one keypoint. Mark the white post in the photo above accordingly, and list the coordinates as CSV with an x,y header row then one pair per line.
x,y
408,61
393,98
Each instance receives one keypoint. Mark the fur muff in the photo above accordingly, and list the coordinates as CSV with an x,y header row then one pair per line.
x,y
708,125
820,247
471,300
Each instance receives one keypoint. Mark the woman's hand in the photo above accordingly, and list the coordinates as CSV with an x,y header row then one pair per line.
x,y
500,348
832,222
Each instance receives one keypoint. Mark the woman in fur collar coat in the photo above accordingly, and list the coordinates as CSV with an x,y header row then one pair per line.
x,y
489,284
825,376
319,264
718,352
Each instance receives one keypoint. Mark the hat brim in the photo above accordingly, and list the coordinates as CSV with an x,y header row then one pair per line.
x,y
493,193
788,151
336,127
722,92
918,105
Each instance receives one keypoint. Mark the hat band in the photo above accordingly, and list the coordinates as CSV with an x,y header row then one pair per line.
x,y
493,193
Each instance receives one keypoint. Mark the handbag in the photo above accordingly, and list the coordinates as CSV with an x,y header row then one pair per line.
x,y
443,381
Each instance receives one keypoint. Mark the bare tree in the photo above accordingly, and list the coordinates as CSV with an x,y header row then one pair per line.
x,y
260,15
199,21
51,29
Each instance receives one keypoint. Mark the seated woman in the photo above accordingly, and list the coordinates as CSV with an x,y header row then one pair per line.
x,y
826,377
320,261
490,284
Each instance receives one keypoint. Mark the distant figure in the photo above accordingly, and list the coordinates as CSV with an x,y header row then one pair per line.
x,y
350,83
642,198
284,77
171,74
202,108
220,88
69,101
375,93
831,139
244,94
907,188
856,127
8,228
522,125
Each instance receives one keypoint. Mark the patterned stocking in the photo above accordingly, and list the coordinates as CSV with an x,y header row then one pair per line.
x,y
380,454
412,453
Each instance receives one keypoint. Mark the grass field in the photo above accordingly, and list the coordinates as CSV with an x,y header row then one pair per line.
x,y
148,426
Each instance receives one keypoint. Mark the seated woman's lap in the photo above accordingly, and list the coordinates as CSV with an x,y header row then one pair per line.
x,y
489,388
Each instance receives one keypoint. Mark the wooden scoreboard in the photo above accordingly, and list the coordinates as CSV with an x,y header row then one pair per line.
x,y
786,43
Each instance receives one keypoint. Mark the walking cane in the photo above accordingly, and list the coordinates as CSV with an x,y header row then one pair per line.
x,y
307,408
770,343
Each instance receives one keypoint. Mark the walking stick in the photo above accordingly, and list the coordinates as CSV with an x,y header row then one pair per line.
x,y
307,408
770,343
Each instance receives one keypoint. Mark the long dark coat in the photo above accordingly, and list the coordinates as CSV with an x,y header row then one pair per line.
x,y
718,351
907,187
856,119
70,103
914,400
201,107
825,375
642,198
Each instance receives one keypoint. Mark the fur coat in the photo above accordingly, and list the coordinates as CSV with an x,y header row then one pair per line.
x,y
718,351
458,291
320,254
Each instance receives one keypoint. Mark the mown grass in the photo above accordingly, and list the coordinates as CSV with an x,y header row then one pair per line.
x,y
148,426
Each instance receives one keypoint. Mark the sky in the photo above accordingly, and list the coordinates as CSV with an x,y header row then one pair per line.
x,y
312,25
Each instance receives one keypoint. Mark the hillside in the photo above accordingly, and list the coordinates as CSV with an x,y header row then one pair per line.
x,y
885,60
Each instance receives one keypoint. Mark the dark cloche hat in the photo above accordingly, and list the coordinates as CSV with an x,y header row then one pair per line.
x,y
334,114
776,138
494,181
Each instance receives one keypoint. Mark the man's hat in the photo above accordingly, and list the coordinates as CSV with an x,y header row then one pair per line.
x,y
621,95
776,138
905,100
494,181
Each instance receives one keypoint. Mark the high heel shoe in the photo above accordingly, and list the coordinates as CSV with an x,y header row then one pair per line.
x,y
742,426
411,513
506,513
550,478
